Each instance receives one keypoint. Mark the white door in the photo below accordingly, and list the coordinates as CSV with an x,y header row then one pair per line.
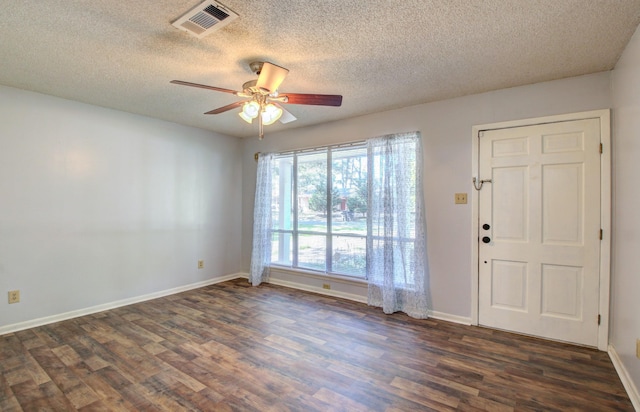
x,y
539,234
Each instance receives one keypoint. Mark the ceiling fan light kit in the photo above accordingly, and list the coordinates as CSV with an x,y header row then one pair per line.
x,y
264,98
250,111
270,114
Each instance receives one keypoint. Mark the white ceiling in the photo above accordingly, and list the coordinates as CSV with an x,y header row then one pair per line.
x,y
378,54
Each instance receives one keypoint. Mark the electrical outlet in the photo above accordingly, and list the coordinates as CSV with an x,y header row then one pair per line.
x,y
14,296
461,198
201,264
326,286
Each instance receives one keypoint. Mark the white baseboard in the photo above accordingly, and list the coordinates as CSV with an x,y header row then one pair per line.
x,y
112,305
314,289
362,299
463,320
627,382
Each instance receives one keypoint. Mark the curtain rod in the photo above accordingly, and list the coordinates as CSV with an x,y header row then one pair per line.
x,y
318,148
339,145
313,149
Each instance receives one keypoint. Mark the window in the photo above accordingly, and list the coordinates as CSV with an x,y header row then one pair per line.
x,y
319,210
354,210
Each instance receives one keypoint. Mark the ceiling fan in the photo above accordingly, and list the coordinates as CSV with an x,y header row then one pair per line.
x,y
263,101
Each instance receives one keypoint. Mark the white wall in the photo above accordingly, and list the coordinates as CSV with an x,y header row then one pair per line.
x,y
446,131
625,277
98,206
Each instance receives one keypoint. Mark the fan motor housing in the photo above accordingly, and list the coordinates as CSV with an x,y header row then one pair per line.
x,y
250,87
256,67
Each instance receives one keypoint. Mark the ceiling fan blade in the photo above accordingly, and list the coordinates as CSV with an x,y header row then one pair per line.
x,y
315,99
286,117
271,76
203,86
227,107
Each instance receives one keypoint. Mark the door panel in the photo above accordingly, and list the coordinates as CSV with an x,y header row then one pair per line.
x,y
512,194
562,216
512,276
562,291
539,259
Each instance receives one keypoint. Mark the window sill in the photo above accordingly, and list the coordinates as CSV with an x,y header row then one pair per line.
x,y
349,280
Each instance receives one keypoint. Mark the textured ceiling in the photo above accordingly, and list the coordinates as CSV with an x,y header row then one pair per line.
x,y
379,54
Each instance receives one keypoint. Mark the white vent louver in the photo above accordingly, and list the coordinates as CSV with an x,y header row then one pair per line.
x,y
205,18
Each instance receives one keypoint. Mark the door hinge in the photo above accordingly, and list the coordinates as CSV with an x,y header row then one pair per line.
x,y
601,150
598,320
600,234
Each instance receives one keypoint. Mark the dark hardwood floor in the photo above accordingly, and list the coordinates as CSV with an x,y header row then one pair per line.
x,y
233,347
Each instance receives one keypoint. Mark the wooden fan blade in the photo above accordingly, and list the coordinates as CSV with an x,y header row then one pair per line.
x,y
315,99
203,86
271,76
227,107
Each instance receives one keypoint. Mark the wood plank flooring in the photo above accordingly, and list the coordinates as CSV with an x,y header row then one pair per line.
x,y
233,347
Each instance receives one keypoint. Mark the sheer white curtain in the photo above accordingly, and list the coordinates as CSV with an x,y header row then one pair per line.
x,y
397,269
261,253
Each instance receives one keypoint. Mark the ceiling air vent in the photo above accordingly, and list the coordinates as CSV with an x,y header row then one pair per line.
x,y
205,18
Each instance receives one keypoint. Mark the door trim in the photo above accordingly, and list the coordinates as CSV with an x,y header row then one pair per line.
x,y
605,207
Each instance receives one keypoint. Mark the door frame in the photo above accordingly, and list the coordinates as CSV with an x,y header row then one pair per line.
x,y
605,208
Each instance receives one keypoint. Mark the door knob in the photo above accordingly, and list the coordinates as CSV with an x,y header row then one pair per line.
x,y
486,226
486,239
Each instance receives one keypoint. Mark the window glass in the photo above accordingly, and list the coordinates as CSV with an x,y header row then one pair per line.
x,y
312,191
349,255
312,251
349,190
320,224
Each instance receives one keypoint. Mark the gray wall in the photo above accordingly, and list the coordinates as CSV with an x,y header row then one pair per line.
x,y
98,206
625,291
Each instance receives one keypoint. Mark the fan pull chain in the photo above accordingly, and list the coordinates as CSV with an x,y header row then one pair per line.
x,y
260,127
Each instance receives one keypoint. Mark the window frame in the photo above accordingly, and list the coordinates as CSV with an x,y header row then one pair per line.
x,y
294,232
